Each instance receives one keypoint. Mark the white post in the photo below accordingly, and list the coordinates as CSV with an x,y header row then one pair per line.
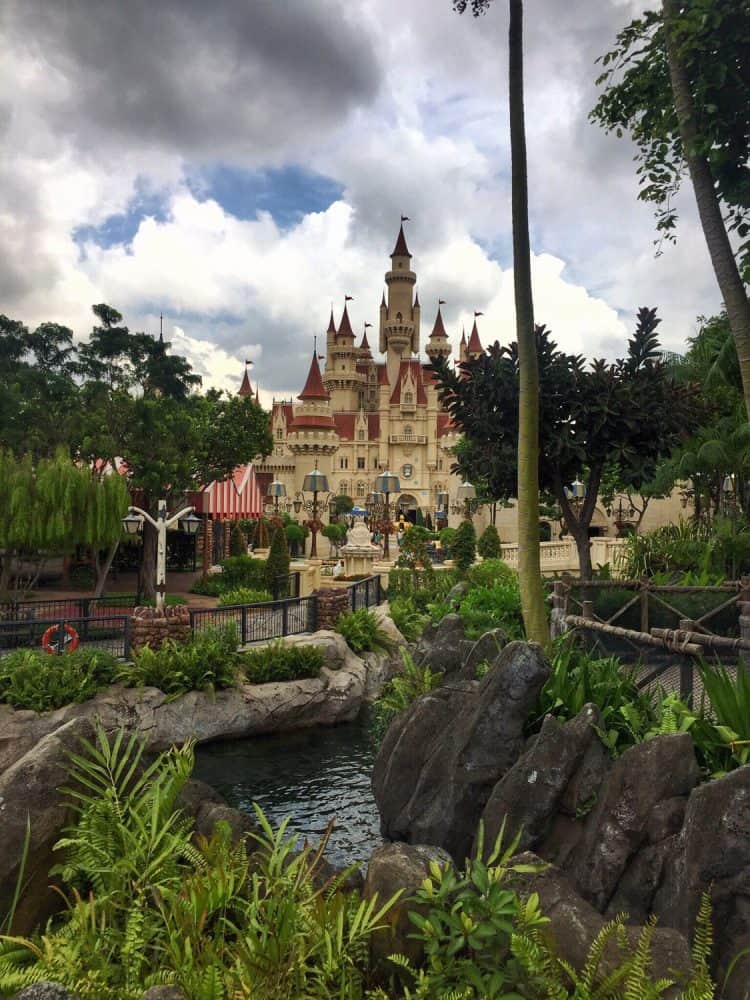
x,y
161,554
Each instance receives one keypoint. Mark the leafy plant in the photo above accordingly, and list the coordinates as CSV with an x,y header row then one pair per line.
x,y
407,617
243,595
491,571
281,661
498,606
237,541
242,571
31,679
463,549
401,691
206,662
488,545
423,587
730,706
363,632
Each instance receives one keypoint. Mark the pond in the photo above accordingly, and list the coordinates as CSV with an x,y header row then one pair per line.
x,y
311,775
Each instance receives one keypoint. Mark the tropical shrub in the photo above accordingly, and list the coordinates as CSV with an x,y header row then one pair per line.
x,y
717,550
422,586
498,606
447,535
243,595
30,678
463,549
206,662
491,572
413,549
488,545
407,617
401,691
149,907
730,712
212,586
237,541
363,632
281,661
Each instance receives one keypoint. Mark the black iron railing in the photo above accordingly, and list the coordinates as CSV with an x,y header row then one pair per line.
x,y
110,633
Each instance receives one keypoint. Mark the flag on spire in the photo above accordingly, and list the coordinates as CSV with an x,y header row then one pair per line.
x,y
441,302
405,218
478,314
348,298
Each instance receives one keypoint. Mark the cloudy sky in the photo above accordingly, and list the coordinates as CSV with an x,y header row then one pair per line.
x,y
240,165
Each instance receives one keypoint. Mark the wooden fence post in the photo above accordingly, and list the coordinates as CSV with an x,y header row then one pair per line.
x,y
743,604
644,605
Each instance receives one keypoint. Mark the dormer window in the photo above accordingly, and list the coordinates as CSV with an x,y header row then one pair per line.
x,y
280,434
408,399
360,435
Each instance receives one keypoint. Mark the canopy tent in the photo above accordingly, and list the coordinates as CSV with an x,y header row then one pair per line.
x,y
238,496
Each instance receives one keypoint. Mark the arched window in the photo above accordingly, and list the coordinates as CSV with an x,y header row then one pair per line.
x,y
361,487
280,434
344,488
408,399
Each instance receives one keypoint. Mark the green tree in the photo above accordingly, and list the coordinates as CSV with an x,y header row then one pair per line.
x,y
677,82
529,565
627,416
464,546
237,541
488,545
277,564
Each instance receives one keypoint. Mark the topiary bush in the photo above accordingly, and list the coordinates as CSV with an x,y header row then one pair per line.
x,y
363,632
463,550
237,541
30,678
281,661
242,571
243,595
447,537
277,565
206,662
488,545
491,572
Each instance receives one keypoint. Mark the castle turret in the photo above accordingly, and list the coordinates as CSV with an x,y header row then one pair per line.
x,y
474,348
438,345
400,317
346,384
245,388
462,349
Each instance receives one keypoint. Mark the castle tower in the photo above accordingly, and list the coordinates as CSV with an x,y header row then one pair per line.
x,y
345,384
438,345
463,354
399,317
245,388
312,437
330,338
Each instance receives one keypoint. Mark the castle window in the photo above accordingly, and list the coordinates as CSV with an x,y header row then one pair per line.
x,y
398,317
280,434
360,435
360,463
408,432
343,463
360,489
408,399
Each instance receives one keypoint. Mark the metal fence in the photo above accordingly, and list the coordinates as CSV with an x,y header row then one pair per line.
x,y
365,593
110,633
68,607
259,622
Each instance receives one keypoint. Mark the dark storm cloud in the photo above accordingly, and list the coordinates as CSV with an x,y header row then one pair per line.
x,y
233,78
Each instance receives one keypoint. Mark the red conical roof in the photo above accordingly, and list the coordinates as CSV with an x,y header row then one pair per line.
x,y
345,327
401,249
245,389
331,324
438,329
364,346
475,345
314,388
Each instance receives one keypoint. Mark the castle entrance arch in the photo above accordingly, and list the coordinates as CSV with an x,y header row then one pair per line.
x,y
408,506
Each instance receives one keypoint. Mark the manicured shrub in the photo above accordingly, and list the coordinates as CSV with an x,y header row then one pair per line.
x,y
491,572
237,541
30,678
464,547
206,662
277,565
243,595
242,571
281,661
295,536
363,632
447,535
485,608
488,545
413,549
335,533
210,587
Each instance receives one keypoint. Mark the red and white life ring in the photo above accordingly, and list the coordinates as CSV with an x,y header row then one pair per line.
x,y
70,641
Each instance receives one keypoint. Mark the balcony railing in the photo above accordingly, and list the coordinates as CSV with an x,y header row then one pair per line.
x,y
407,439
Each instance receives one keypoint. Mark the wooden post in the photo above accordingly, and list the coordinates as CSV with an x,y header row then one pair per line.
x,y
644,605
587,610
743,604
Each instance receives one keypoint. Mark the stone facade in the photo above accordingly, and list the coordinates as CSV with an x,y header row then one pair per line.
x,y
149,627
332,603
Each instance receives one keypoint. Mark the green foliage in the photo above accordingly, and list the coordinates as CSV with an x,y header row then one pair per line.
x,y
242,571
29,678
464,547
422,587
281,661
344,504
498,606
363,632
82,577
447,536
491,572
210,587
148,906
407,617
243,595
205,662
413,549
488,545
672,551
237,541
277,564
401,691
335,533
730,709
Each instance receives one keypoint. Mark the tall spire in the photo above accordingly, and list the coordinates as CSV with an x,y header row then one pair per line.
x,y
314,388
345,327
438,329
401,249
257,393
331,324
246,389
475,345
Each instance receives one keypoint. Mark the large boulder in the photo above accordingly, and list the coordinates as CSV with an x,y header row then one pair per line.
x,y
574,924
712,854
163,993
486,649
441,758
45,991
527,797
443,647
398,868
31,806
617,826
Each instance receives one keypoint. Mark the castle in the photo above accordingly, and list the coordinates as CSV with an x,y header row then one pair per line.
x,y
359,416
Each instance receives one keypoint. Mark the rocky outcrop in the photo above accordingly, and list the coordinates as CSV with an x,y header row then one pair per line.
x,y
45,991
247,710
443,647
486,649
441,758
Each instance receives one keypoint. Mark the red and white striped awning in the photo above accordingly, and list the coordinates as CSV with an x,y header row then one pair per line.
x,y
238,496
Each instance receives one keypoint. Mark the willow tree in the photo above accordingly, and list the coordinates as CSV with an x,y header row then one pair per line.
x,y
50,508
529,564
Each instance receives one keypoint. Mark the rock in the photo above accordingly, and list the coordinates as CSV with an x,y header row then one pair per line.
x,y
45,991
389,626
29,791
582,792
440,646
527,796
457,591
241,826
646,774
395,867
333,646
640,881
195,795
380,667
666,819
574,923
712,852
163,993
441,758
487,647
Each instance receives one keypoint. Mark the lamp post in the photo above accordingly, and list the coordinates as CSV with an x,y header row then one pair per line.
x,y
622,514
729,509
466,500
276,492
133,522
385,484
315,482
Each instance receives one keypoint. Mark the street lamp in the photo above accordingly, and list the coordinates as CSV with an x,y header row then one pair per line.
x,y
466,500
622,514
133,522
315,482
386,483
276,492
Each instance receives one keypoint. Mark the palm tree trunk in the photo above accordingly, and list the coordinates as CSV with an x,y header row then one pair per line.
x,y
529,568
709,210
